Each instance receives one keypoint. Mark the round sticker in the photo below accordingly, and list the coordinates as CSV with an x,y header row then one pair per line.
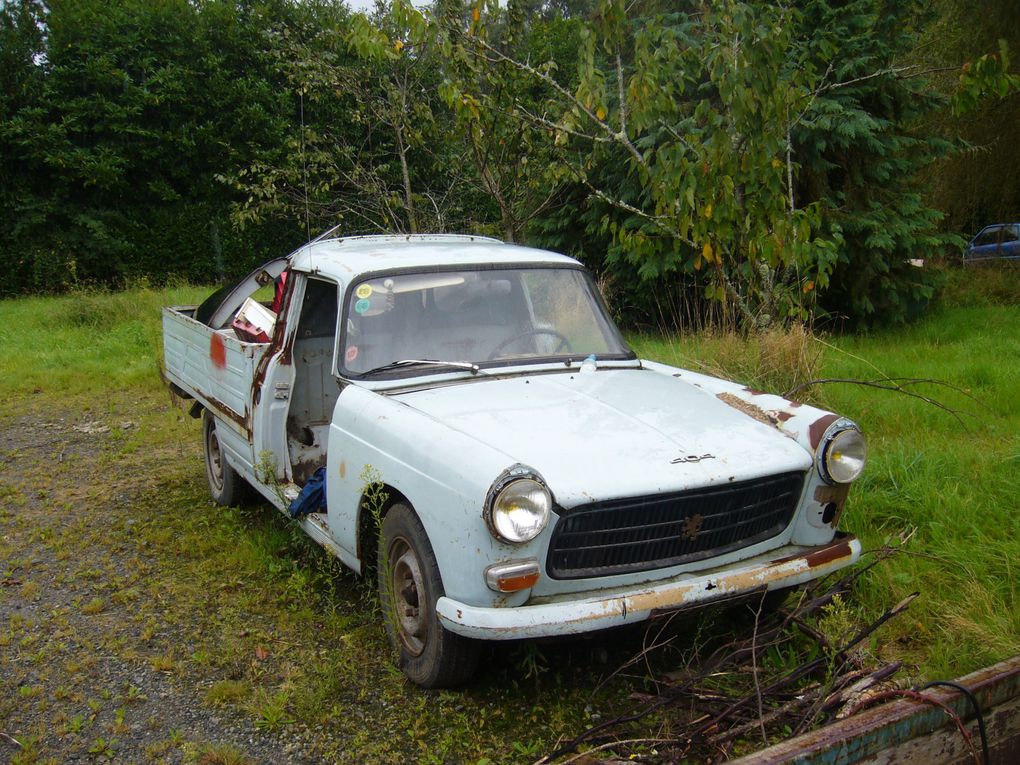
x,y
351,354
364,291
361,306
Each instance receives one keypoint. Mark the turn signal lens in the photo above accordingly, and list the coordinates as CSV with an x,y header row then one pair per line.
x,y
512,576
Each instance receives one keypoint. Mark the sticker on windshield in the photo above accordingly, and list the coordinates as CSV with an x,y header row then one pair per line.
x,y
364,291
362,305
351,354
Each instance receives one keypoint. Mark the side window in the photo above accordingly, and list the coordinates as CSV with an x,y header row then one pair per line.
x,y
988,236
1010,233
318,311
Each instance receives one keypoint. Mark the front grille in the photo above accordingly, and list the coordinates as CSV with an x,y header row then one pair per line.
x,y
643,533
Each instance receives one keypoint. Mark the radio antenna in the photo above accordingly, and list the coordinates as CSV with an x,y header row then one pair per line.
x,y
304,165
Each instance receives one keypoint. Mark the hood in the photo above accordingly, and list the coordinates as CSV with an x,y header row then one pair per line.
x,y
612,432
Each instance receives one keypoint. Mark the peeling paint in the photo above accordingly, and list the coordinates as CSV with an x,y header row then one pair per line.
x,y
217,351
835,495
817,429
752,411
544,618
909,733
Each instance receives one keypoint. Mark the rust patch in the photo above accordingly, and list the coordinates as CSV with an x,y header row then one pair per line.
x,y
836,549
754,392
752,411
818,427
217,351
277,345
226,411
343,469
783,416
280,333
835,495
828,554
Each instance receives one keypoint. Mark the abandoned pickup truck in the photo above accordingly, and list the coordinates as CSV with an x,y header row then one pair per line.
x,y
495,451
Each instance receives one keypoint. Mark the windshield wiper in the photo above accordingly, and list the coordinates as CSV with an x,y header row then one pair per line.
x,y
472,368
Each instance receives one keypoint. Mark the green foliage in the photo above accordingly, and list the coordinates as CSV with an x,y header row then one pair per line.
x,y
800,179
135,106
980,183
733,162
498,109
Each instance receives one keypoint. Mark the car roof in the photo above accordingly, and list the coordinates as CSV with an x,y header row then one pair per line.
x,y
347,258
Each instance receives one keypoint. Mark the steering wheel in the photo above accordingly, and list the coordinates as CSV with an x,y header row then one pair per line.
x,y
564,341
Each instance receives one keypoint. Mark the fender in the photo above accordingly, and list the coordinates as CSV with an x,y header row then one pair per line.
x,y
444,474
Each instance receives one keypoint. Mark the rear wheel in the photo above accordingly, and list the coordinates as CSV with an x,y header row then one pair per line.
x,y
409,587
225,485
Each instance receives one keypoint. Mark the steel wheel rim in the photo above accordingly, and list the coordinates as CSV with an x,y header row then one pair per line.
x,y
215,459
407,593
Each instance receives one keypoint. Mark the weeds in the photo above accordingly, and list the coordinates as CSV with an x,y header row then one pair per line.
x,y
220,754
215,584
374,501
225,692
270,711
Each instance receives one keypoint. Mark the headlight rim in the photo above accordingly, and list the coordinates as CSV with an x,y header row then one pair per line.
x,y
841,425
510,476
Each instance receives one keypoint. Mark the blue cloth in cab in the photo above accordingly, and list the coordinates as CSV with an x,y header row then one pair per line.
x,y
312,498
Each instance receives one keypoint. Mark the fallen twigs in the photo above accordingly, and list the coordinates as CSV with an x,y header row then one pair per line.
x,y
792,669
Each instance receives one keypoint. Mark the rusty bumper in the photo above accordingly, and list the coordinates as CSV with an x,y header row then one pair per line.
x,y
572,614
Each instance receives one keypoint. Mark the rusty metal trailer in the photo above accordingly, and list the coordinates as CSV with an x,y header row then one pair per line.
x,y
918,728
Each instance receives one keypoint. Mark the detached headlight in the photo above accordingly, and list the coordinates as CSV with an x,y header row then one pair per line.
x,y
518,505
842,453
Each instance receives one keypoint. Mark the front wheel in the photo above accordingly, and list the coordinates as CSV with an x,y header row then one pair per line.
x,y
409,587
225,484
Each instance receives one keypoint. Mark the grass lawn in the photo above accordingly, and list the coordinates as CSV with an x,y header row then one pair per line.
x,y
239,605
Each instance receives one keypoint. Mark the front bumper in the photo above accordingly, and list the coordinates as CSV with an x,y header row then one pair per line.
x,y
572,614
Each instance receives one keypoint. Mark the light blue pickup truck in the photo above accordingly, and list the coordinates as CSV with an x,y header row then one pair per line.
x,y
494,449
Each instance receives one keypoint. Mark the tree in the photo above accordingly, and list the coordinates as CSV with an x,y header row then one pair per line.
x,y
775,147
371,147
699,105
490,98
136,106
980,183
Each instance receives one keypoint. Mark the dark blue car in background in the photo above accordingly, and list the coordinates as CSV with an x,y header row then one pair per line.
x,y
999,240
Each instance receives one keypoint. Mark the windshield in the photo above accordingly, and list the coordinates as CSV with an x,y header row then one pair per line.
x,y
482,317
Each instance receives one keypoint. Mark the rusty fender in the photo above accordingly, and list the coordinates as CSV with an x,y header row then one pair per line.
x,y
573,613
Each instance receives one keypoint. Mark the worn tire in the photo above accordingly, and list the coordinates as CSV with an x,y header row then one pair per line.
x,y
409,587
225,484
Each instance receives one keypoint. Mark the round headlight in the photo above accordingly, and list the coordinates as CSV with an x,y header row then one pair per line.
x,y
520,510
843,455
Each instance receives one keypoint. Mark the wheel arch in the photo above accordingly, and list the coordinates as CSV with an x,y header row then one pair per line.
x,y
370,520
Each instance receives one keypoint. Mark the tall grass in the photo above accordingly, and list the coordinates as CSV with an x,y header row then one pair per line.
x,y
86,341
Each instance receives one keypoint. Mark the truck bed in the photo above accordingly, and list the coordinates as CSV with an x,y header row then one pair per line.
x,y
214,367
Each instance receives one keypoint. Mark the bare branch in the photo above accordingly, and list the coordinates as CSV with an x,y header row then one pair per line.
x,y
620,137
897,384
